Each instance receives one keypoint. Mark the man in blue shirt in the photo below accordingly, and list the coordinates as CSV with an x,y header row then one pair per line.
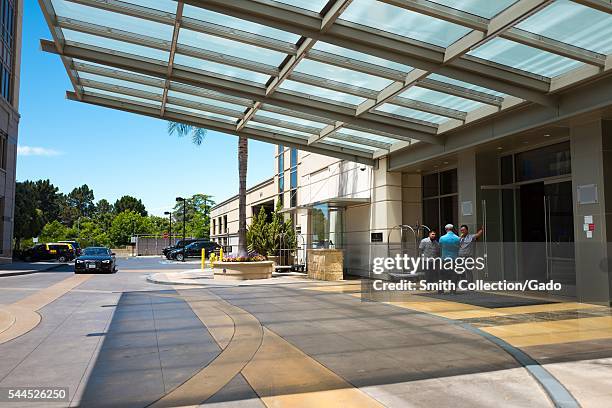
x,y
449,246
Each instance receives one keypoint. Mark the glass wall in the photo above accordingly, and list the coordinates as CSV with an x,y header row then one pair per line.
x,y
293,176
440,199
549,161
281,174
327,227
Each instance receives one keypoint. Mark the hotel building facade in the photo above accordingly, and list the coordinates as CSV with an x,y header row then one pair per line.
x,y
11,14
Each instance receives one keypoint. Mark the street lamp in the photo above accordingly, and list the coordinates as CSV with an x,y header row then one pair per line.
x,y
184,213
169,214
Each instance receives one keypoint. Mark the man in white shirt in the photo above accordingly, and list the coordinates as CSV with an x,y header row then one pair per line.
x,y
429,248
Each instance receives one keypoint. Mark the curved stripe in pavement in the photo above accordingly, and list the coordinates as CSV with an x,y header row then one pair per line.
x,y
242,346
24,314
557,392
279,373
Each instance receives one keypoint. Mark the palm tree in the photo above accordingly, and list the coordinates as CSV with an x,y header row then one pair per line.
x,y
197,136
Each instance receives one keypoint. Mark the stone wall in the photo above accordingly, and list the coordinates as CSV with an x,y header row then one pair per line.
x,y
325,264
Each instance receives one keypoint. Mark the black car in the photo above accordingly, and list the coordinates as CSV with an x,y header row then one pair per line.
x,y
194,250
95,259
49,252
75,245
179,244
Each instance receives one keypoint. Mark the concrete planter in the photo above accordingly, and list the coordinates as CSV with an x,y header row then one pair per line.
x,y
243,270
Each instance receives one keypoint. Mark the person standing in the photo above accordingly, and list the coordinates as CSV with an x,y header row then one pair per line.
x,y
449,246
429,250
467,247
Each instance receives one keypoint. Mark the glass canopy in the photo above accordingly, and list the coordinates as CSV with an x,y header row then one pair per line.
x,y
350,79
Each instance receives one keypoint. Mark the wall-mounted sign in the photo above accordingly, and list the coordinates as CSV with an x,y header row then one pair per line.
x,y
376,237
587,194
467,208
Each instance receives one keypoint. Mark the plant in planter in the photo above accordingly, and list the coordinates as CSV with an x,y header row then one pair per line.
x,y
257,240
269,238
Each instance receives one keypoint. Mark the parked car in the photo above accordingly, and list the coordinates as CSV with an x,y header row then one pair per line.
x,y
179,244
194,250
54,251
96,259
75,245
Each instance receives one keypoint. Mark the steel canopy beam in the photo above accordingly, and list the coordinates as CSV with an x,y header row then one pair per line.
x,y
304,46
175,34
601,5
146,13
58,37
478,23
380,44
240,89
334,150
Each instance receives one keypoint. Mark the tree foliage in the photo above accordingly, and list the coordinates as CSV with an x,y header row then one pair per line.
x,y
129,203
29,219
42,211
268,238
82,199
127,224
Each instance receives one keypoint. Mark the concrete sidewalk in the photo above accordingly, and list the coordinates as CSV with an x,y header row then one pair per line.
x,y
26,268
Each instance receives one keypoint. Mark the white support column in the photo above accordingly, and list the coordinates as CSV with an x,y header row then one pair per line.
x,y
385,207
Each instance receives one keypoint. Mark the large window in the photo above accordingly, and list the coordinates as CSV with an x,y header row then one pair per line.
x,y
293,177
327,226
281,173
548,161
7,17
440,199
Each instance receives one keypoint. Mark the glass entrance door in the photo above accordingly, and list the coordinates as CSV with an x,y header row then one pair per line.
x,y
559,221
529,232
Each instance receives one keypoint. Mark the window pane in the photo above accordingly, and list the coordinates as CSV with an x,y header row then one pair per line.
x,y
403,22
411,113
293,179
431,214
430,185
449,211
138,50
483,8
547,161
526,58
345,52
229,47
293,159
343,75
312,5
321,92
465,84
441,99
233,22
506,170
574,24
222,69
448,182
113,20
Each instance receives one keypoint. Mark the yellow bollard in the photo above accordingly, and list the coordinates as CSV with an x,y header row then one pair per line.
x,y
203,265
221,254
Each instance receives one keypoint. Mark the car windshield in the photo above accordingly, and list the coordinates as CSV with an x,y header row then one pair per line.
x,y
95,251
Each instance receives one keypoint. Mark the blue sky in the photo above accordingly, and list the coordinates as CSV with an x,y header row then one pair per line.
x,y
115,153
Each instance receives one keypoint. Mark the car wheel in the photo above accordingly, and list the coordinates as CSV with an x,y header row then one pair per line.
x,y
62,259
180,257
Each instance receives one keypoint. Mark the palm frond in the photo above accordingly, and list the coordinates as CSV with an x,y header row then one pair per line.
x,y
181,130
197,135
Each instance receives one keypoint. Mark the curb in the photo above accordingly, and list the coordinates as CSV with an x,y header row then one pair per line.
x,y
19,273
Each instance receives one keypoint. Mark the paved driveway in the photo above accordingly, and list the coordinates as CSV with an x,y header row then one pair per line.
x,y
118,340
